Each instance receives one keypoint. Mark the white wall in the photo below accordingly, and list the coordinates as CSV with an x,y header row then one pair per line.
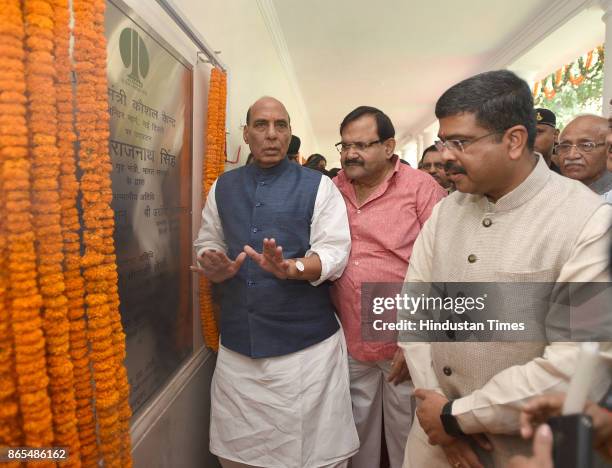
x,y
238,30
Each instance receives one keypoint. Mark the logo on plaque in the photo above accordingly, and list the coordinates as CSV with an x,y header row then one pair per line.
x,y
134,55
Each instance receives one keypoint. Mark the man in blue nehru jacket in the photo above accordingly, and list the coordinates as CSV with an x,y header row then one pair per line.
x,y
273,235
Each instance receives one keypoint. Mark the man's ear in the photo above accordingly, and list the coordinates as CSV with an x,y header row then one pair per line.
x,y
389,147
245,134
516,138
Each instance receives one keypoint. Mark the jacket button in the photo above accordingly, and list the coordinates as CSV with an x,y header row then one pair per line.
x,y
258,204
486,222
447,371
472,258
254,229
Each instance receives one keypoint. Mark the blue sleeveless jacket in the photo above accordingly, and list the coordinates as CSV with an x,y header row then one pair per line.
x,y
262,316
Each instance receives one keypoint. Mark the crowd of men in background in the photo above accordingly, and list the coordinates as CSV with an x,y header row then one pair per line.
x,y
578,152
290,246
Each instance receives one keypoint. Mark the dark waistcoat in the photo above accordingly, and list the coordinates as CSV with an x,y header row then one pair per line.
x,y
262,316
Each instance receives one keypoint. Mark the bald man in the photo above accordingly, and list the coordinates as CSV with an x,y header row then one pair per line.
x,y
273,236
582,152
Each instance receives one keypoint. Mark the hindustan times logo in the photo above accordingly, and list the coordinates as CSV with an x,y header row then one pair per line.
x,y
135,56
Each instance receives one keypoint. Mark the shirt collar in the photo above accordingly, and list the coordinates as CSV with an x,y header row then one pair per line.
x,y
345,185
261,172
527,189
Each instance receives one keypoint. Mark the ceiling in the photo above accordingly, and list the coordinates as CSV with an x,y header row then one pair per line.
x,y
400,56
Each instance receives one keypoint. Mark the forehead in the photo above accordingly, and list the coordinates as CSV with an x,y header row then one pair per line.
x,y
268,109
463,124
363,127
583,128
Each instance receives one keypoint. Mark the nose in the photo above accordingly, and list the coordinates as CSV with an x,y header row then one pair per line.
x,y
447,155
350,152
271,133
573,153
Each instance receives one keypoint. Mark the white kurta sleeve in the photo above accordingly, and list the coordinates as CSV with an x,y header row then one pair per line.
x,y
330,237
496,406
418,354
210,236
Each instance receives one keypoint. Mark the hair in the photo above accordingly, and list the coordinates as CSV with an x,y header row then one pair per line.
x,y
498,99
333,172
427,150
384,127
313,160
294,145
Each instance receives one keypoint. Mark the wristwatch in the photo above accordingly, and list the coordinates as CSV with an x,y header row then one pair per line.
x,y
449,422
300,266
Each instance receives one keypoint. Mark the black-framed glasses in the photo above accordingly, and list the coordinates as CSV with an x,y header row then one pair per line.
x,y
584,147
359,146
460,145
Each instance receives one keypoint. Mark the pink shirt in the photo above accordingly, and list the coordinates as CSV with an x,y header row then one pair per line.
x,y
383,231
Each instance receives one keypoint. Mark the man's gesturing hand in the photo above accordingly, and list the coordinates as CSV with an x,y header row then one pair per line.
x,y
271,259
217,266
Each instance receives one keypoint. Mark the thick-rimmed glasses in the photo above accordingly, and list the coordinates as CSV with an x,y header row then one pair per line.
x,y
359,146
564,149
460,145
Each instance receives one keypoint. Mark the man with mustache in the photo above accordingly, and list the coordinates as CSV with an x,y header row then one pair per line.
x,y
511,219
273,235
582,152
387,203
432,163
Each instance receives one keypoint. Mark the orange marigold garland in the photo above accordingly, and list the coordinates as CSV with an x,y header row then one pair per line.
x,y
108,249
105,333
23,295
10,430
69,187
564,76
46,212
214,165
96,287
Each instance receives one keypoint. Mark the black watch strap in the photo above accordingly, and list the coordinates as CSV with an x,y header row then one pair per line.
x,y
449,422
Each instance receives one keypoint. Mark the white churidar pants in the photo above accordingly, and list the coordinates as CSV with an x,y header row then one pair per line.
x,y
372,396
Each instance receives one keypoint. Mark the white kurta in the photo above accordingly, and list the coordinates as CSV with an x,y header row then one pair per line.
x,y
291,411
521,243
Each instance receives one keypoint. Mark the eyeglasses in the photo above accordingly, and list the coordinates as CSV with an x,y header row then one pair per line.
x,y
584,147
459,145
359,146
